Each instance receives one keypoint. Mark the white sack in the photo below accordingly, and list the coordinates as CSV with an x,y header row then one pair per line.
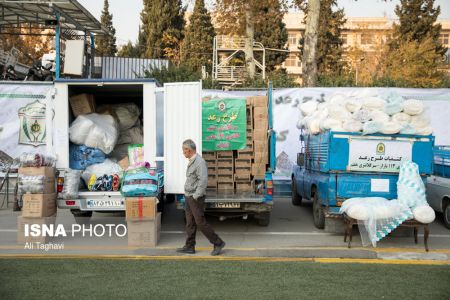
x,y
391,127
374,103
96,131
424,214
352,126
308,108
413,107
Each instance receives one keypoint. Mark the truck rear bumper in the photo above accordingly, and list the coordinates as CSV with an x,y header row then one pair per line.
x,y
94,201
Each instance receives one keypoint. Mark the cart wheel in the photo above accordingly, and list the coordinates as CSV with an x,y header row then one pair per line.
x,y
318,214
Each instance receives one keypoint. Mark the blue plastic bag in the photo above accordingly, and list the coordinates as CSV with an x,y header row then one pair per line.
x,y
139,182
82,157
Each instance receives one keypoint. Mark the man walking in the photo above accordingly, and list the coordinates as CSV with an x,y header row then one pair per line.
x,y
195,190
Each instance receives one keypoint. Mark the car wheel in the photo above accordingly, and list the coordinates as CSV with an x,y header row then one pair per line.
x,y
81,217
447,215
318,214
296,198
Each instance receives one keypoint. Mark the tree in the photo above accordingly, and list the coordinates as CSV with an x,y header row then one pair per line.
x,y
129,50
198,42
240,18
162,28
309,57
106,45
271,32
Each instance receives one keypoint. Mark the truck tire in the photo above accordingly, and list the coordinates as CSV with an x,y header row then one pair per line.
x,y
318,214
263,219
170,198
296,198
446,214
81,217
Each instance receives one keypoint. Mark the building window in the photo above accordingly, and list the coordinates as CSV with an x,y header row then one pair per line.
x,y
443,39
291,61
344,39
366,39
292,39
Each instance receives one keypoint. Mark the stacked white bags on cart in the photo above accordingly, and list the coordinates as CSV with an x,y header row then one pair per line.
x,y
365,111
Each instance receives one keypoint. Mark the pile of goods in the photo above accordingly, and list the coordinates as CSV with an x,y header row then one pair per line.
x,y
37,187
365,111
377,216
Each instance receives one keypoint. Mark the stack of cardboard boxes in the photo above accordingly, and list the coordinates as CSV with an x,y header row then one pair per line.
x,y
143,221
37,208
230,171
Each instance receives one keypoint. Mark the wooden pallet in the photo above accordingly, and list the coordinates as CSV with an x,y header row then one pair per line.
x,y
224,154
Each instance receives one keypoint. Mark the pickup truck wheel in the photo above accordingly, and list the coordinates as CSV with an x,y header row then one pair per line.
x,y
447,215
296,198
81,217
318,214
264,219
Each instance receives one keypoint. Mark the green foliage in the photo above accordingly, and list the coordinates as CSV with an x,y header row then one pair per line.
x,y
129,50
162,28
106,45
198,41
279,78
271,32
344,80
173,73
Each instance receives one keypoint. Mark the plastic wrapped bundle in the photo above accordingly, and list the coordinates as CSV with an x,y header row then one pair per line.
x,y
71,184
338,99
362,115
82,156
308,108
374,103
394,103
413,107
31,184
331,124
353,105
108,167
391,127
338,113
401,118
352,126
408,129
127,113
137,182
95,131
419,121
424,214
372,127
410,187
36,160
379,116
424,130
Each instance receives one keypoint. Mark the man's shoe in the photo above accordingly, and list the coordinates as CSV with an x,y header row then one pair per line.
x,y
186,250
218,249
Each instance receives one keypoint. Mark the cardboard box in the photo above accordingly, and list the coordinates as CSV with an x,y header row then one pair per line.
x,y
259,101
139,208
244,186
258,169
21,233
260,134
82,104
144,233
225,186
38,205
261,157
224,154
32,171
260,113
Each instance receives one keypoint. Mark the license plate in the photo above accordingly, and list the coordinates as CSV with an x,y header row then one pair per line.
x,y
104,203
226,205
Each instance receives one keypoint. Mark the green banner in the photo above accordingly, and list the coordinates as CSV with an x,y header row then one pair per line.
x,y
224,124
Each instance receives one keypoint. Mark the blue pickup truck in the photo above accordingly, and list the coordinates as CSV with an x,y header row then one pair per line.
x,y
334,166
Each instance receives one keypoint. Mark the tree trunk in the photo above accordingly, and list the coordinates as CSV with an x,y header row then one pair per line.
x,y
250,33
309,66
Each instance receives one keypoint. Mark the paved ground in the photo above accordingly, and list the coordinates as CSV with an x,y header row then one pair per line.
x,y
291,233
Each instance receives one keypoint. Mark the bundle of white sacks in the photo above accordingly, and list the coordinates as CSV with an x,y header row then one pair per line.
x,y
365,111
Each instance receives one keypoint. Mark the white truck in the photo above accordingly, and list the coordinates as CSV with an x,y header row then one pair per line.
x,y
170,114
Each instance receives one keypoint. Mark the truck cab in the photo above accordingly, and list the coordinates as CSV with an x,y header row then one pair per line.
x,y
335,166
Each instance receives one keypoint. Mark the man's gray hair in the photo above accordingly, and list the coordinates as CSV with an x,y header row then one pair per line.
x,y
189,144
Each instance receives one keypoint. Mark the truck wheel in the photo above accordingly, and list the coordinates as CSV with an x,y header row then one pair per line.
x,y
296,198
81,217
264,219
318,214
170,198
447,214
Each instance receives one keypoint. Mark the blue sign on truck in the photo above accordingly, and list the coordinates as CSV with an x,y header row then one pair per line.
x,y
335,166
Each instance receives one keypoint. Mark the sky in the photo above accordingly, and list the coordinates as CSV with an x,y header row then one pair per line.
x,y
126,13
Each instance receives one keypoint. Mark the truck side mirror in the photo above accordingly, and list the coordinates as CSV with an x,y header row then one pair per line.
x,y
301,159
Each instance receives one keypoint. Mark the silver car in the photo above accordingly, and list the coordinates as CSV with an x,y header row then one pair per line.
x,y
438,186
